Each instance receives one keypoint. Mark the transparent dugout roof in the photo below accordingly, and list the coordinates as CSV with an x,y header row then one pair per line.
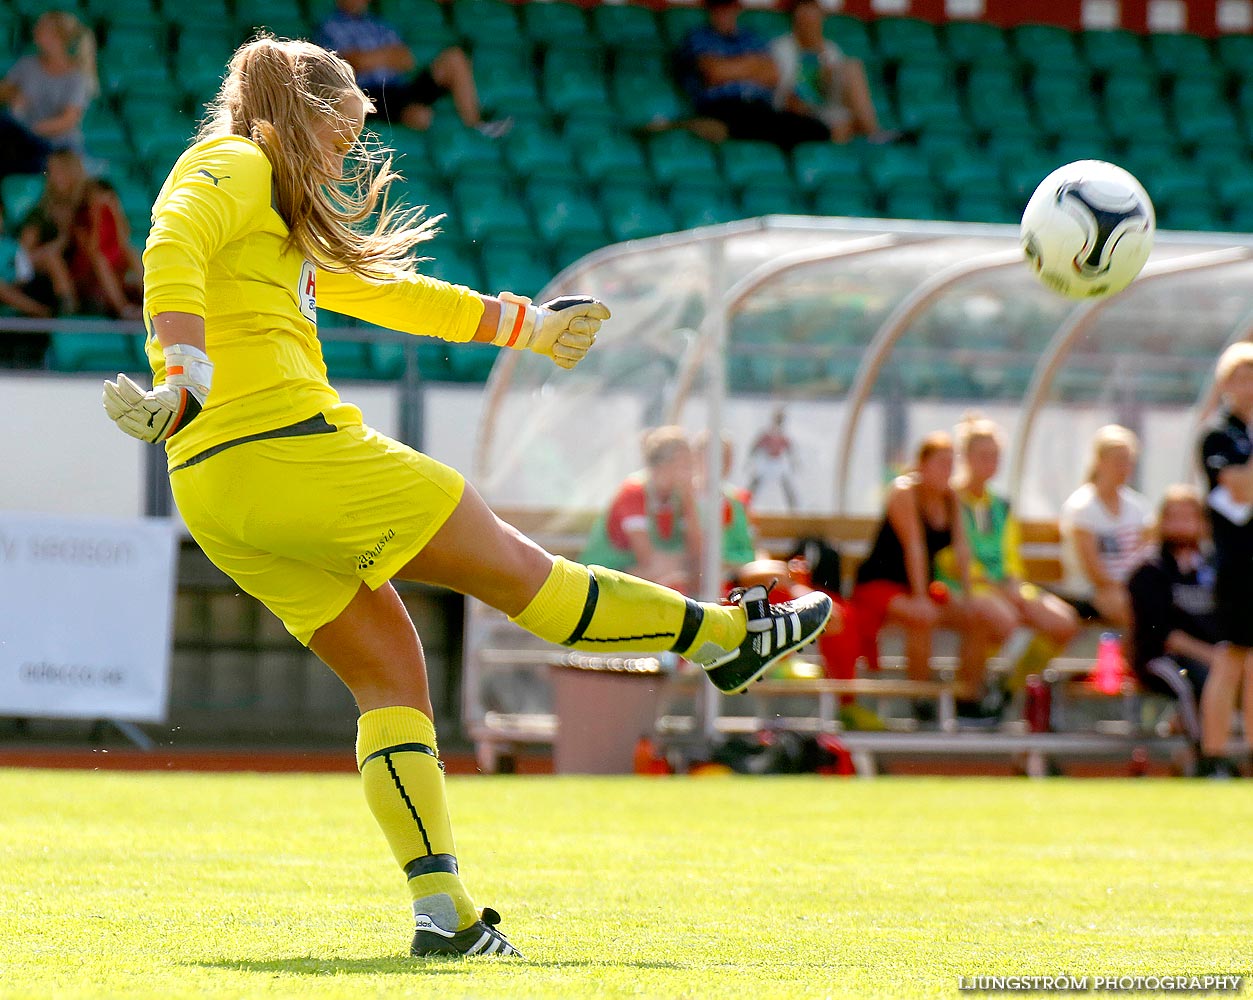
x,y
870,334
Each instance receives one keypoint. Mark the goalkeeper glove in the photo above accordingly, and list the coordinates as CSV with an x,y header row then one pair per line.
x,y
563,328
164,410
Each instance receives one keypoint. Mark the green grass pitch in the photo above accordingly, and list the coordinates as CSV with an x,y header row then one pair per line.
x,y
182,885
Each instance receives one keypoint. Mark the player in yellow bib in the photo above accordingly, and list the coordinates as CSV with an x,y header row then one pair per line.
x,y
279,207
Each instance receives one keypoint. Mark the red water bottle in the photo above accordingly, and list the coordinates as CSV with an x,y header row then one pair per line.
x,y
1038,710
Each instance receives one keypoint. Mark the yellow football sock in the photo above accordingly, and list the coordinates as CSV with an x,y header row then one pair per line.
x,y
594,608
404,786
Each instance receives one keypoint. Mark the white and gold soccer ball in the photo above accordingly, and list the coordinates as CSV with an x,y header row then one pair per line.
x,y
1088,229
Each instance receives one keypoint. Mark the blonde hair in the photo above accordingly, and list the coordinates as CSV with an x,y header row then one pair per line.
x,y
1108,438
79,42
276,93
1239,353
976,427
663,443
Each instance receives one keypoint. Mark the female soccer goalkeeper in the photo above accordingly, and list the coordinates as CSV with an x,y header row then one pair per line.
x,y
270,212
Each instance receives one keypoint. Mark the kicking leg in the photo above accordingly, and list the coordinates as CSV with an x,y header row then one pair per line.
x,y
600,609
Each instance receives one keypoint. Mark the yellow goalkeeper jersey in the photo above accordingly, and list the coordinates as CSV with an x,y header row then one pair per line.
x,y
216,249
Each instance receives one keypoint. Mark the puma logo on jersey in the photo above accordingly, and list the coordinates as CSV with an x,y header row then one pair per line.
x,y
224,177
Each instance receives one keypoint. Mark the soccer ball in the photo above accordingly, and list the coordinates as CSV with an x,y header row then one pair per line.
x,y
1088,229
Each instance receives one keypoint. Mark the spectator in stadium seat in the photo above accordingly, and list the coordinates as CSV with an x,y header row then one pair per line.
x,y
385,69
1225,450
46,235
1103,527
818,80
1174,629
896,582
999,592
730,76
652,527
46,94
106,268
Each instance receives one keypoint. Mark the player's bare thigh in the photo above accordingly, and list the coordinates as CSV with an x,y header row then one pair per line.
x,y
478,554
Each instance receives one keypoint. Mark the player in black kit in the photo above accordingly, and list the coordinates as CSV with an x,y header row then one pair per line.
x,y
1226,448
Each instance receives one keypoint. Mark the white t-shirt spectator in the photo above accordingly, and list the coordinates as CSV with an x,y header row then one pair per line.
x,y
1118,536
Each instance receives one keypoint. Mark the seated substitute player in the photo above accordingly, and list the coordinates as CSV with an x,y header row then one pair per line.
x,y
1102,527
1225,450
313,513
999,591
1173,628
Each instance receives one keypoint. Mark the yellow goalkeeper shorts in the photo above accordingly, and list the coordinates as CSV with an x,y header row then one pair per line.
x,y
300,522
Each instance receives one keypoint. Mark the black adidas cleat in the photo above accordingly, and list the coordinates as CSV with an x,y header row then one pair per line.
x,y
774,630
480,938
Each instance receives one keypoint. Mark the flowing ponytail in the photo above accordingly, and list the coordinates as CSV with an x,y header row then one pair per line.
x,y
278,93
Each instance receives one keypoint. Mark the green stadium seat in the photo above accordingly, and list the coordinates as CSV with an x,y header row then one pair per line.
x,y
486,19
997,111
931,109
1233,188
983,206
851,35
462,152
406,15
20,193
500,221
471,362
976,43
677,21
1112,53
768,24
556,24
1205,125
1235,54
694,207
569,220
616,157
745,163
627,30
514,270
970,174
638,219
772,199
1129,92
644,93
823,164
1189,218
570,88
1240,219
855,201
104,137
508,93
898,39
450,264
104,352
678,156
897,168
534,152
1130,125
912,204
1182,56
347,359
1047,47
